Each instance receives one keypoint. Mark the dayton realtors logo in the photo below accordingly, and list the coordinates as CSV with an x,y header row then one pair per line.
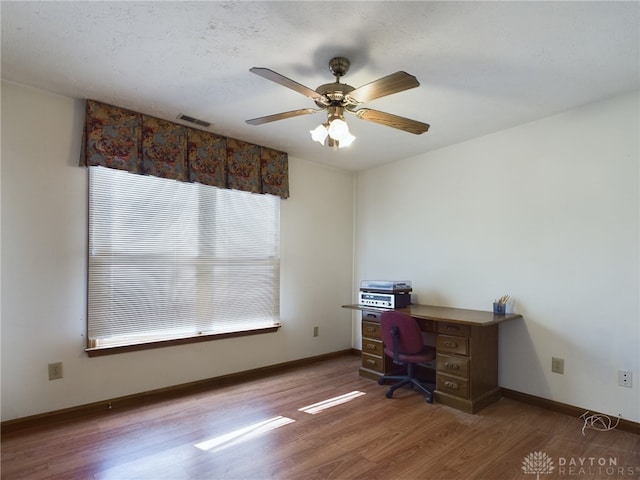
x,y
539,463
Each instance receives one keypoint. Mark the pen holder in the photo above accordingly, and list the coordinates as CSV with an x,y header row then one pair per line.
x,y
502,308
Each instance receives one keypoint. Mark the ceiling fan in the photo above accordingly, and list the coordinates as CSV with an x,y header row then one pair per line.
x,y
337,98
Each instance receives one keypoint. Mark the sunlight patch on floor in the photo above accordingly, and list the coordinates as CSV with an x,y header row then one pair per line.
x,y
243,434
240,435
332,402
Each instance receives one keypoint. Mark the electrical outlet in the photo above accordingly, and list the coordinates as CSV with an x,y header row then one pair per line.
x,y
316,331
624,378
557,365
55,371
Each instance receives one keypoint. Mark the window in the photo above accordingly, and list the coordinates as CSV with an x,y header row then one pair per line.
x,y
171,260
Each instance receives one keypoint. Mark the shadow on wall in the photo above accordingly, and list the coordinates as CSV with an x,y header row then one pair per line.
x,y
517,354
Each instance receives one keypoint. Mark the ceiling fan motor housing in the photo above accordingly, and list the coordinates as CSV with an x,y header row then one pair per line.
x,y
335,93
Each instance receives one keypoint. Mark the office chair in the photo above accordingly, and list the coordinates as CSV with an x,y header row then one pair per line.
x,y
404,343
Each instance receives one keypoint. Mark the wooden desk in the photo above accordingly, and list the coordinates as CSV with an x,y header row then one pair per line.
x,y
467,352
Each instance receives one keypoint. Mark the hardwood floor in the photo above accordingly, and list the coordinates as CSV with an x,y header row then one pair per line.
x,y
261,429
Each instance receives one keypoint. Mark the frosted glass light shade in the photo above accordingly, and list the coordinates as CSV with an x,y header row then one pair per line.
x,y
319,134
338,129
346,140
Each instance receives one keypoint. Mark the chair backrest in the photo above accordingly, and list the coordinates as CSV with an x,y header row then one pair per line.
x,y
410,339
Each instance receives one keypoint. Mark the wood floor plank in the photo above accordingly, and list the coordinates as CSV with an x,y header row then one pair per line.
x,y
260,429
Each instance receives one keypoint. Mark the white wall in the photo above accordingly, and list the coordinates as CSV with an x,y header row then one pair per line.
x,y
44,244
547,212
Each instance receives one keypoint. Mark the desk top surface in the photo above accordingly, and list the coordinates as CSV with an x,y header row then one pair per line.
x,y
479,318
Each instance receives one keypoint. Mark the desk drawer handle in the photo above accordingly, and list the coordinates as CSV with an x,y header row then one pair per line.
x,y
450,344
451,366
371,315
371,362
453,327
371,346
451,385
370,329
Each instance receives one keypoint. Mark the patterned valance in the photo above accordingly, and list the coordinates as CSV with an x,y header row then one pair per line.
x,y
127,140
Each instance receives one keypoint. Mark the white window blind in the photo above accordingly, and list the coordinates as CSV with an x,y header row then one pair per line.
x,y
170,260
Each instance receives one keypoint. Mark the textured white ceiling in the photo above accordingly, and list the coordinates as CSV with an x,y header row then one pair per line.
x,y
483,66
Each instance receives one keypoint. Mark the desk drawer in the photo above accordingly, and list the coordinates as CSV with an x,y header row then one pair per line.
x,y
371,330
454,329
374,347
453,386
450,344
371,316
458,366
373,362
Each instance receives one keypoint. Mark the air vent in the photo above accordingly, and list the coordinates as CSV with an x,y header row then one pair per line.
x,y
195,121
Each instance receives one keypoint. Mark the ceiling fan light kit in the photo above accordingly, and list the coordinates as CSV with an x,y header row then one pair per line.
x,y
337,98
335,133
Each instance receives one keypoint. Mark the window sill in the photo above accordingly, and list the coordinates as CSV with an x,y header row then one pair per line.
x,y
114,349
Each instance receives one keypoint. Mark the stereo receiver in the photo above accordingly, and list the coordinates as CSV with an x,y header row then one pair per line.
x,y
385,300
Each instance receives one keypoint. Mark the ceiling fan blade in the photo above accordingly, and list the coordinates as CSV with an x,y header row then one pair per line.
x,y
286,82
401,123
283,115
394,83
